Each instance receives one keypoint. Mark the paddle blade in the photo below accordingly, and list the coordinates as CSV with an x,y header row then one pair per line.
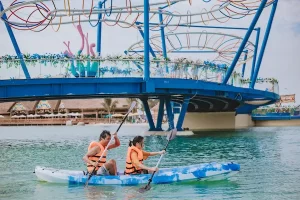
x,y
144,189
172,134
87,181
133,104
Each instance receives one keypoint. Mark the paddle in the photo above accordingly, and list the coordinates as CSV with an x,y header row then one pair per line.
x,y
170,137
91,174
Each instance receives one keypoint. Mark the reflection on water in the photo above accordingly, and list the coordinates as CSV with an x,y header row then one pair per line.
x,y
269,159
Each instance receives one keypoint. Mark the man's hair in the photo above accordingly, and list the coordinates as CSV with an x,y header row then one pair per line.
x,y
104,134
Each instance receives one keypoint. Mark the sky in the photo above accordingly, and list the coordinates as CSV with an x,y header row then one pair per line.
x,y
281,59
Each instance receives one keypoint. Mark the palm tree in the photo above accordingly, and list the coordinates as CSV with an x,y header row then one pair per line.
x,y
109,105
129,102
151,103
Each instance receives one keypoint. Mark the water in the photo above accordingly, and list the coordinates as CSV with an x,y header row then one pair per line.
x,y
269,159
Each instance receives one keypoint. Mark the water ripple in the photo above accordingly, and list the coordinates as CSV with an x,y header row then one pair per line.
x,y
269,159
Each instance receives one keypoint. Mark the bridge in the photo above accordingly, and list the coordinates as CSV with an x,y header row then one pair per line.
x,y
215,86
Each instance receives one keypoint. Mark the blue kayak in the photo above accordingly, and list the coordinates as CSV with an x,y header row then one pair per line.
x,y
206,171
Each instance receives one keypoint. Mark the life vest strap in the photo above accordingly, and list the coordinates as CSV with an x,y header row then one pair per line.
x,y
134,172
130,167
100,161
99,156
130,163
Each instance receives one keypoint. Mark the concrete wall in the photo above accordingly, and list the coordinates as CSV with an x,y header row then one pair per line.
x,y
216,121
277,123
243,121
209,121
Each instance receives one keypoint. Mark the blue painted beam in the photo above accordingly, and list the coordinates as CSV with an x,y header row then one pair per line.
x,y
142,34
135,63
184,108
246,109
244,65
64,88
146,41
99,30
264,44
148,114
270,118
162,35
168,5
255,53
160,114
244,42
15,43
169,113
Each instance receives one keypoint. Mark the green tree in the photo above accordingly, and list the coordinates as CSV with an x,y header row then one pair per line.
x,y
151,103
110,105
129,102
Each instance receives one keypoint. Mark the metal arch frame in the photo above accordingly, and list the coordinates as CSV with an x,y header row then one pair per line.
x,y
120,10
255,65
246,38
179,50
211,27
15,43
148,84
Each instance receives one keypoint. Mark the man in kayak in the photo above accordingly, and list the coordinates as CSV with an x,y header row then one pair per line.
x,y
136,156
96,149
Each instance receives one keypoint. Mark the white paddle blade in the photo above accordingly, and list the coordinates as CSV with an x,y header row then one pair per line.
x,y
133,104
172,134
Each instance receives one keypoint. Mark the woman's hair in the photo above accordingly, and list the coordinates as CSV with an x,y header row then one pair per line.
x,y
135,140
104,134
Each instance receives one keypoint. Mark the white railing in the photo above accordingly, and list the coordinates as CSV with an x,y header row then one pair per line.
x,y
104,68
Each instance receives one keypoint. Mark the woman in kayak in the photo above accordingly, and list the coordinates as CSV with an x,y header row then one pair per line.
x,y
96,149
136,156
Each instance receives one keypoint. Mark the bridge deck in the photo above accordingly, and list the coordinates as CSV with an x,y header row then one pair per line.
x,y
205,96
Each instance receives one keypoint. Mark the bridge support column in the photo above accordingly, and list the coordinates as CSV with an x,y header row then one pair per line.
x,y
243,121
184,108
160,114
169,113
148,114
212,121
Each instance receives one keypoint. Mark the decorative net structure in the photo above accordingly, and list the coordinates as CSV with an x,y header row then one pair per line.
x,y
187,39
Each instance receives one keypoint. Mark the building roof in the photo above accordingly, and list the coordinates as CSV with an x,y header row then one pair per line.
x,y
82,103
4,107
91,103
55,104
43,105
24,105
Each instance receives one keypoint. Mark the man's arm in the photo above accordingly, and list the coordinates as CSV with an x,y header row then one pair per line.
x,y
117,142
93,151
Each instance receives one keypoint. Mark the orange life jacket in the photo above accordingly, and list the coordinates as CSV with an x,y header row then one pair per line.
x,y
96,157
130,168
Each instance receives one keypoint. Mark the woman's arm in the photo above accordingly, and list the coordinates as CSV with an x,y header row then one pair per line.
x,y
135,162
153,153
